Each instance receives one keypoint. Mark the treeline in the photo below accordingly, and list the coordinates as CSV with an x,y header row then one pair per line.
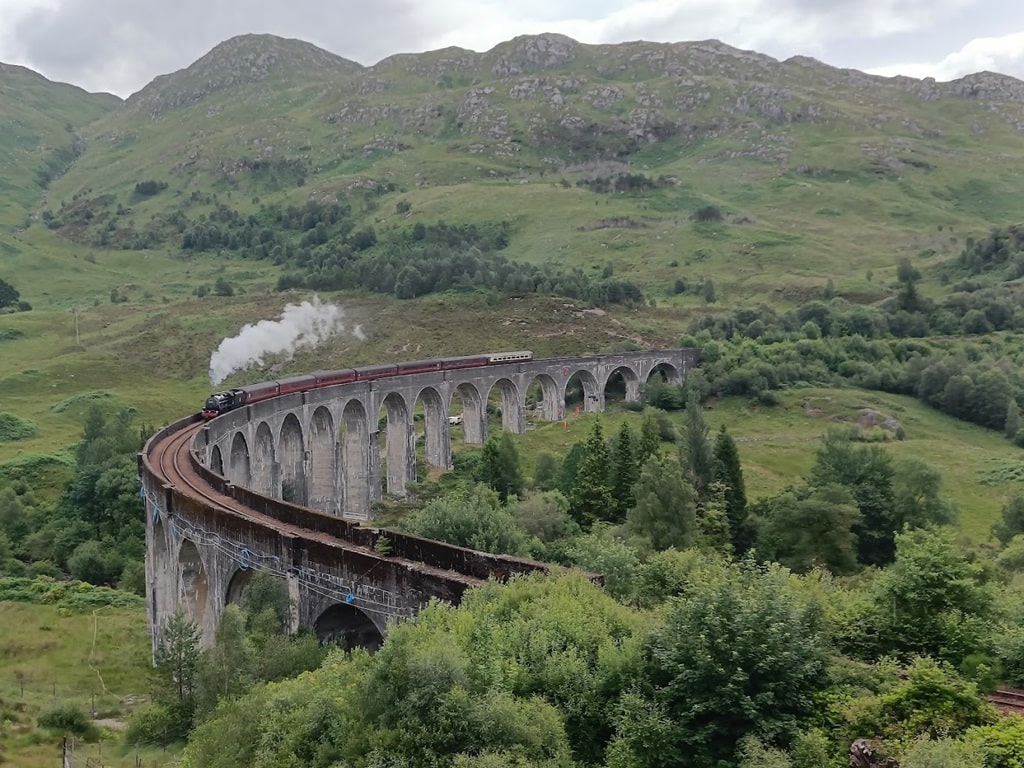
x,y
1000,253
322,250
755,351
625,182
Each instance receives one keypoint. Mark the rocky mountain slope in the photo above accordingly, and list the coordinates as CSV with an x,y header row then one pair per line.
x,y
590,155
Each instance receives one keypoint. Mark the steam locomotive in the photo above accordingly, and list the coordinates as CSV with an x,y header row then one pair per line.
x,y
222,402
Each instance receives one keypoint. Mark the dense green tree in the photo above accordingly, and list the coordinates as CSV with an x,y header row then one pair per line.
x,y
916,495
1011,522
729,473
228,667
665,512
175,663
570,466
696,451
933,600
470,518
624,471
500,467
931,700
94,563
650,438
544,516
601,551
591,496
866,471
265,604
742,655
1011,426
14,518
805,530
8,295
545,472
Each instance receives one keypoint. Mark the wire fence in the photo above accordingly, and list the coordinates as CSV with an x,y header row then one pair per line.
x,y
80,753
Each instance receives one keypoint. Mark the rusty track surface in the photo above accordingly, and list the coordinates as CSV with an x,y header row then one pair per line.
x,y
1008,700
171,458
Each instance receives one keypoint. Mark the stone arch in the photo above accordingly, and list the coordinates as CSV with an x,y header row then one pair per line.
x,y
349,627
264,464
323,461
356,449
236,586
399,444
590,392
622,382
550,403
667,372
192,581
437,442
238,465
216,460
292,460
511,406
473,416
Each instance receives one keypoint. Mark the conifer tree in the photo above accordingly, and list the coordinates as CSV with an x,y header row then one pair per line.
x,y
624,472
1012,424
665,512
730,474
649,441
591,497
500,467
695,450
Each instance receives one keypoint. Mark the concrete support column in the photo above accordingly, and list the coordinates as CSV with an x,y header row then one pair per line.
x,y
474,424
553,404
438,439
514,419
401,454
293,600
372,458
632,390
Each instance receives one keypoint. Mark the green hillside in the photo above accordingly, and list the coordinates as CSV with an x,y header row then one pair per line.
x,y
591,155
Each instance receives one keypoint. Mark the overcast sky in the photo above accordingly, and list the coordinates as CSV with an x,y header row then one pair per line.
x,y
120,45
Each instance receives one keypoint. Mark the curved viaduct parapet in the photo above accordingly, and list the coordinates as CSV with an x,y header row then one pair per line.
x,y
215,507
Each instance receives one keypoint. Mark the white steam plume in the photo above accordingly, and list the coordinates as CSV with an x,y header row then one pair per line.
x,y
301,325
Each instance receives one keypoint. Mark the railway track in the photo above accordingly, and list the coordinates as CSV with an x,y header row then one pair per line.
x,y
1008,700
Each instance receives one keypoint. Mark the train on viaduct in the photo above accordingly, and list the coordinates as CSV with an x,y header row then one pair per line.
x,y
286,484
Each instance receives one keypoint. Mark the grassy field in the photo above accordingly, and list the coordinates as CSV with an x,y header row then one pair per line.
x,y
96,660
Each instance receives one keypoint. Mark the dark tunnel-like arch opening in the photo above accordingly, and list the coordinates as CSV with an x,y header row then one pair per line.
x,y
236,587
348,627
216,460
622,385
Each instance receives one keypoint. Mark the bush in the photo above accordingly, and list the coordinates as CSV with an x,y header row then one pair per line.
x,y
15,428
92,563
159,724
707,213
68,718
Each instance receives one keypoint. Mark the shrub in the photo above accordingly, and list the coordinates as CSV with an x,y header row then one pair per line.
x,y
707,213
68,718
15,428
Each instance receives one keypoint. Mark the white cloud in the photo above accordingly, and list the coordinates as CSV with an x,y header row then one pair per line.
x,y
1003,54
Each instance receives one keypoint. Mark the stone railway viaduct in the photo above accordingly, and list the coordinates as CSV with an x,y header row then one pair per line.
x,y
287,486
